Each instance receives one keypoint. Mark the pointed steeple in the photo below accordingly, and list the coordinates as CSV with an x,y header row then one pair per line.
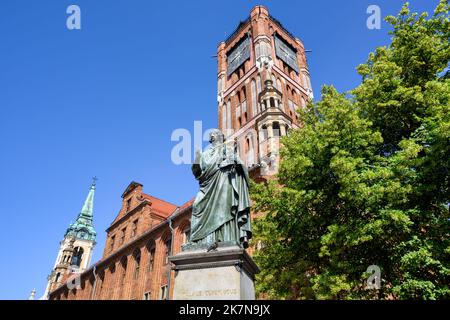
x,y
83,227
88,208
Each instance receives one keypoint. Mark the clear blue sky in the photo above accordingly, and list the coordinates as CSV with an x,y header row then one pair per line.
x,y
104,101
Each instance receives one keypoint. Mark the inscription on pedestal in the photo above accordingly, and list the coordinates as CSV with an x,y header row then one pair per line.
x,y
226,274
215,283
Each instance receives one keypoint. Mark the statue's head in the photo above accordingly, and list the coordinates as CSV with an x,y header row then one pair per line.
x,y
216,136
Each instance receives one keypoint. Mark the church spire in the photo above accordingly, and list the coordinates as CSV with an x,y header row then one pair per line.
x,y
88,207
83,227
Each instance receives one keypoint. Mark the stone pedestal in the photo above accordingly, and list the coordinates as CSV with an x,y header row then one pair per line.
x,y
226,273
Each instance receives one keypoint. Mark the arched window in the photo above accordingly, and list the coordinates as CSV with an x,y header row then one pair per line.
x,y
306,80
77,256
258,84
124,264
249,151
279,87
151,256
168,245
137,263
58,275
258,50
253,91
272,103
303,103
244,104
224,116
229,114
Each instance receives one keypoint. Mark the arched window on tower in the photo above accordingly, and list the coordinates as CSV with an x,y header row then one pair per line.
x,y
229,114
279,86
306,80
239,109
272,103
224,117
263,133
77,256
254,105
276,129
244,105
249,152
258,84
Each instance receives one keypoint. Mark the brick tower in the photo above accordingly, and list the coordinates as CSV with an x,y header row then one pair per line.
x,y
75,251
263,79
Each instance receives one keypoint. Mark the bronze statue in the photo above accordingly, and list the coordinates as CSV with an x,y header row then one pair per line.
x,y
221,210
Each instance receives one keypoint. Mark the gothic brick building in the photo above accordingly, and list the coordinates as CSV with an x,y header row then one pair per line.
x,y
263,79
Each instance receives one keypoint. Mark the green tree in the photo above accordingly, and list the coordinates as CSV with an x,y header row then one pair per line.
x,y
366,180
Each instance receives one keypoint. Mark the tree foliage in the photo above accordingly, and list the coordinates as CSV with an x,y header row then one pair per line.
x,y
366,180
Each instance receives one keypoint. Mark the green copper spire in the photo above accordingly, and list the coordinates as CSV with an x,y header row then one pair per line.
x,y
83,227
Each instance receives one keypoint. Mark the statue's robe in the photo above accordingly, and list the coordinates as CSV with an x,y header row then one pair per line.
x,y
221,210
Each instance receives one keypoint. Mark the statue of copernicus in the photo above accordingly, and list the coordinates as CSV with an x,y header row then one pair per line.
x,y
221,210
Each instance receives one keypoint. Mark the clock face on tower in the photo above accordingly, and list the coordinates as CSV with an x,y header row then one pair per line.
x,y
238,55
286,53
